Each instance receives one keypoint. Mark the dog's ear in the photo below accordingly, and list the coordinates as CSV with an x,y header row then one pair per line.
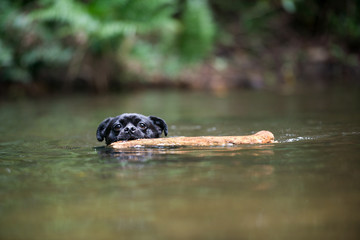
x,y
101,131
160,123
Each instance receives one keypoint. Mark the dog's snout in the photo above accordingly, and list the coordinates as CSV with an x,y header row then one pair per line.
x,y
131,129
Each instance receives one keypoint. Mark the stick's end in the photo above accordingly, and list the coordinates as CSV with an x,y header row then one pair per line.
x,y
265,136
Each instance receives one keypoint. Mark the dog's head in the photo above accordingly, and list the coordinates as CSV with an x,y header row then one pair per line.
x,y
130,126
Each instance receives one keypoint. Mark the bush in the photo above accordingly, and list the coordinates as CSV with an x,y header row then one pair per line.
x,y
161,34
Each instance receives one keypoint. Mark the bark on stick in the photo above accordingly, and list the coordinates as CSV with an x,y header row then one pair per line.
x,y
205,141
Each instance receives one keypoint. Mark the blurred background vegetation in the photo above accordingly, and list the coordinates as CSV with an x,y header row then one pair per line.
x,y
97,45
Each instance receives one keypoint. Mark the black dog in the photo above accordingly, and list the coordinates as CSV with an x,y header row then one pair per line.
x,y
130,126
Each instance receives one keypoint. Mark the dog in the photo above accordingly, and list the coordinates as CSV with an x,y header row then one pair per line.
x,y
130,126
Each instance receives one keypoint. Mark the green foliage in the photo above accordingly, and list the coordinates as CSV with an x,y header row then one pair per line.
x,y
162,36
55,32
6,56
186,41
256,19
198,30
25,46
338,19
101,21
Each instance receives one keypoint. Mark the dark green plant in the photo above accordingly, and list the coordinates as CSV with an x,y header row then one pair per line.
x,y
25,46
196,38
339,20
164,33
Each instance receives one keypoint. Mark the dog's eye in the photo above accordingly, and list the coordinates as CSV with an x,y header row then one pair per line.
x,y
142,125
117,127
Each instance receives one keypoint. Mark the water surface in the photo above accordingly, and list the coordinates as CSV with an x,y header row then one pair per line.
x,y
58,182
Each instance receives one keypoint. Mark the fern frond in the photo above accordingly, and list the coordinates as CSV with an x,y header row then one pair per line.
x,y
68,12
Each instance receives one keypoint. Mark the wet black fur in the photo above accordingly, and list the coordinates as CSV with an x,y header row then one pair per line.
x,y
130,126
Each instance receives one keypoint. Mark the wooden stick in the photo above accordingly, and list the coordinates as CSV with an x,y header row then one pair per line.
x,y
257,138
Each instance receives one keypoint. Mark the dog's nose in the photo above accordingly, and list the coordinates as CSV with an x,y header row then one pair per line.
x,y
130,129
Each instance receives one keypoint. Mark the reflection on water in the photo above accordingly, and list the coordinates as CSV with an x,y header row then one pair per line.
x,y
58,182
143,154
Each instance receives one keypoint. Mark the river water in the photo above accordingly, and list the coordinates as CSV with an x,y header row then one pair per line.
x,y
58,182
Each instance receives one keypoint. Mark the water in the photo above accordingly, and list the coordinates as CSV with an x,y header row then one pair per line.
x,y
58,182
